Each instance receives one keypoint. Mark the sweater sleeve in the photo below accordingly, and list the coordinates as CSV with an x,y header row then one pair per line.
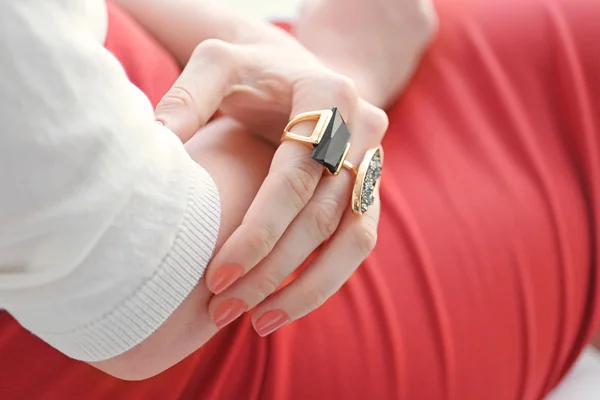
x,y
106,224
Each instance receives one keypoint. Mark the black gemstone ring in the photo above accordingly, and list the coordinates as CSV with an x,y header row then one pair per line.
x,y
330,142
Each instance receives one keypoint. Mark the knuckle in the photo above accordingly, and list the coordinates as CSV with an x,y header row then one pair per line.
x,y
316,297
312,298
213,49
365,237
344,91
181,96
261,241
218,56
177,96
427,22
299,181
326,216
374,120
379,121
271,280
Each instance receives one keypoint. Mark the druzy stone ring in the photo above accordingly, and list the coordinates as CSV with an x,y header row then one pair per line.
x,y
330,143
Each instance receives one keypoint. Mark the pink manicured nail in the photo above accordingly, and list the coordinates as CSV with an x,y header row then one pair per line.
x,y
270,322
224,277
228,311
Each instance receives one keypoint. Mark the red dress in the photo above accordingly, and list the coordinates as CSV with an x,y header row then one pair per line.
x,y
484,284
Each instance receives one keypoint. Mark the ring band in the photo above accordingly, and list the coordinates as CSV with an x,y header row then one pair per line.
x,y
349,166
330,143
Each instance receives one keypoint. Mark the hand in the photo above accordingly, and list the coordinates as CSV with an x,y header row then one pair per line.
x,y
295,210
377,43
238,162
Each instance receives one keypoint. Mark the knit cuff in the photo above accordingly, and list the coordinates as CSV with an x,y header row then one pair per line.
x,y
149,306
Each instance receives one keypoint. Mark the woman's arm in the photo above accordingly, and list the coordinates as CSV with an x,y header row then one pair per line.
x,y
238,162
180,25
377,43
106,223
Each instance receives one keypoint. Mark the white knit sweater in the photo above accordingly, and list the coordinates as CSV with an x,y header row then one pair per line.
x,y
106,224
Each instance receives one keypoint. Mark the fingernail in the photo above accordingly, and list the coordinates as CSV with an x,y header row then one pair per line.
x,y
270,322
228,311
224,277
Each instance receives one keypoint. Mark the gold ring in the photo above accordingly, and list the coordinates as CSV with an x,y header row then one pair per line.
x,y
368,175
349,166
330,143
330,139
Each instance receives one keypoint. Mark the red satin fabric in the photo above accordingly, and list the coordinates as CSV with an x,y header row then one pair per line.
x,y
484,282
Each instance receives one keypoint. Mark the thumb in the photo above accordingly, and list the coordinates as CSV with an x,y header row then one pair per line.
x,y
198,92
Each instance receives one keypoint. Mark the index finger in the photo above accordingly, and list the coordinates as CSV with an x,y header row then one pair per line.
x,y
198,92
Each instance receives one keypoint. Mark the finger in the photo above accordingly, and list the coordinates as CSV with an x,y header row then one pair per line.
x,y
287,189
352,243
196,95
315,223
373,122
313,226
283,194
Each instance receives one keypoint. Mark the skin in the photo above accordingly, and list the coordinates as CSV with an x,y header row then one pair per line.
x,y
377,43
402,29
238,162
261,76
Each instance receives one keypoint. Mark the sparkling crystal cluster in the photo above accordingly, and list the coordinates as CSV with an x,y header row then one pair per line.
x,y
373,173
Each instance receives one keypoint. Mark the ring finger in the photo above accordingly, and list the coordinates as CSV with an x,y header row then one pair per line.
x,y
356,237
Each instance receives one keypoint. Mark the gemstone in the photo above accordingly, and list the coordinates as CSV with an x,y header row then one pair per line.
x,y
372,175
329,152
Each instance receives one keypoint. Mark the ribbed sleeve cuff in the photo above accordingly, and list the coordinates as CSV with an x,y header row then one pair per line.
x,y
148,307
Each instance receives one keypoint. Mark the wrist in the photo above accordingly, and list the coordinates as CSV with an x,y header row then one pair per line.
x,y
370,86
378,44
199,20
